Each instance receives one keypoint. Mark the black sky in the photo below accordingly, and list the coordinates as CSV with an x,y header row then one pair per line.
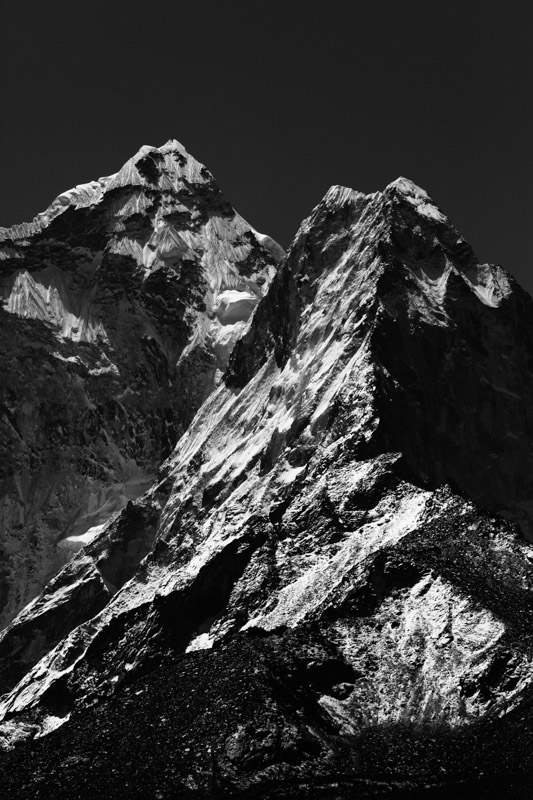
x,y
280,100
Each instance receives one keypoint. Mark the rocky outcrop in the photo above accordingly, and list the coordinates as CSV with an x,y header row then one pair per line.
x,y
336,591
121,304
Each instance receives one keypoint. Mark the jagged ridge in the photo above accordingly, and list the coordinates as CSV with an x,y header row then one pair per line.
x,y
307,510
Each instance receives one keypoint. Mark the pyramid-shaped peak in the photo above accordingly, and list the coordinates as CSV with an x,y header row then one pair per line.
x,y
407,187
417,197
149,162
172,145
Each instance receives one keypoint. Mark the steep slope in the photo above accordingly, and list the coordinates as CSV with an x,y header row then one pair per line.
x,y
121,304
339,552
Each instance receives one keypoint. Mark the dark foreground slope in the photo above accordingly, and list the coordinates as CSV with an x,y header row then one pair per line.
x,y
206,723
338,600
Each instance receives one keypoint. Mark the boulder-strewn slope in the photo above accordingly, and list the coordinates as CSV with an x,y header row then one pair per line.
x,y
121,303
338,596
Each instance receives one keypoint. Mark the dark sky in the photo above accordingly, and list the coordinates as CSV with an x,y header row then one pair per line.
x,y
280,99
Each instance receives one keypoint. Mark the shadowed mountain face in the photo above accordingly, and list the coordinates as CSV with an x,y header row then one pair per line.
x,y
121,304
335,596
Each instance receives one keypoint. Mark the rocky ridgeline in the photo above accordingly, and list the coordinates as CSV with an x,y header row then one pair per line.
x,y
121,304
336,593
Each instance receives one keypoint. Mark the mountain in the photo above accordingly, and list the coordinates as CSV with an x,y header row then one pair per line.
x,y
121,303
335,597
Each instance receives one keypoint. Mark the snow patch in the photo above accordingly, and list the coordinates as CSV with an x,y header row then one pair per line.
x,y
102,506
270,245
418,198
490,283
75,543
201,642
51,723
235,306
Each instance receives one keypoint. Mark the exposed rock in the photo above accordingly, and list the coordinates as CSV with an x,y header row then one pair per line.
x,y
111,339
336,594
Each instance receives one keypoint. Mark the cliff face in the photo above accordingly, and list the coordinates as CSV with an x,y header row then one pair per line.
x,y
337,583
121,304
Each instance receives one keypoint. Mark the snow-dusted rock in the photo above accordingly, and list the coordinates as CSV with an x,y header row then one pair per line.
x,y
110,341
343,519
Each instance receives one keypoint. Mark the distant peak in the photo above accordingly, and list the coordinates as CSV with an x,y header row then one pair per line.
x,y
171,145
417,197
407,187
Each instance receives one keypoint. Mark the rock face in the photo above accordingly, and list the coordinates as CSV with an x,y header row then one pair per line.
x,y
121,304
336,594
